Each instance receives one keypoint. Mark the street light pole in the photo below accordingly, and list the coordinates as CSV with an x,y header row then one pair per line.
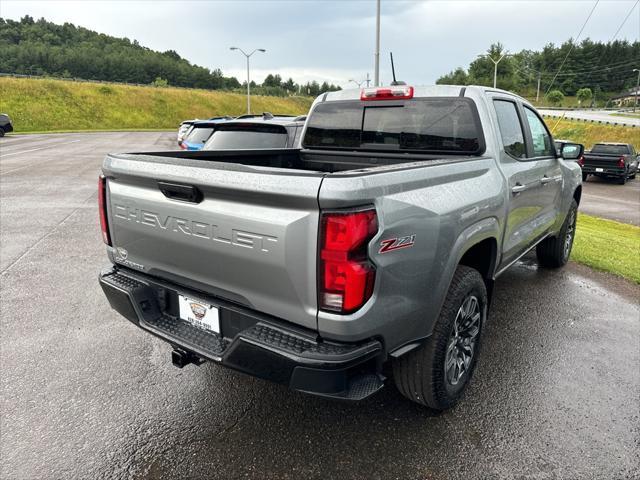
x,y
248,55
635,103
376,73
495,66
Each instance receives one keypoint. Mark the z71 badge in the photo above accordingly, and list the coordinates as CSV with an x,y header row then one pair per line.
x,y
397,243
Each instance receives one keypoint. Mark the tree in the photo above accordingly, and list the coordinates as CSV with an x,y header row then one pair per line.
x,y
457,77
584,95
272,81
160,82
556,97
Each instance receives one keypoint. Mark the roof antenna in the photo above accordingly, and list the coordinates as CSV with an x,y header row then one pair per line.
x,y
393,72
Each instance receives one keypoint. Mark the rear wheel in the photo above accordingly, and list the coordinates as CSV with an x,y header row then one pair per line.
x,y
585,176
622,180
437,373
554,252
1,132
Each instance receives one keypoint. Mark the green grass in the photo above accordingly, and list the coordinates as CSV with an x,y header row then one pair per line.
x,y
589,133
608,246
46,105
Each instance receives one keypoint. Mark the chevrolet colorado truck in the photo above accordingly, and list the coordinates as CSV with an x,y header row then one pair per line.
x,y
378,241
610,160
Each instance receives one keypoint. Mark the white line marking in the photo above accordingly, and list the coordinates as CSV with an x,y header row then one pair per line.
x,y
34,149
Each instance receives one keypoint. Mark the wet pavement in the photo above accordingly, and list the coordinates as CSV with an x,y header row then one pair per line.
x,y
85,394
605,198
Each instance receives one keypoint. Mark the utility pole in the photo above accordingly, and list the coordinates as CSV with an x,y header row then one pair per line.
x,y
248,78
635,103
376,73
538,90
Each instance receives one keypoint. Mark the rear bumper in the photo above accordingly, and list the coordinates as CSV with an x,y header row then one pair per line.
x,y
250,342
604,171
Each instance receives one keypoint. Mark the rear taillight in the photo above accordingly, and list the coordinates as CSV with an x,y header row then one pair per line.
x,y
182,145
621,162
402,92
346,276
102,205
581,161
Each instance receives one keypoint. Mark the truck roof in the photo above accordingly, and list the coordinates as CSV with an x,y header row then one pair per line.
x,y
284,121
419,91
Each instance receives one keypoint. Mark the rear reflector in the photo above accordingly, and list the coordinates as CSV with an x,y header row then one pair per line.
x,y
346,275
102,206
402,92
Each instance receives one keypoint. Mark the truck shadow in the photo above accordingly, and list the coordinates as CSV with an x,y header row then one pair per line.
x,y
281,434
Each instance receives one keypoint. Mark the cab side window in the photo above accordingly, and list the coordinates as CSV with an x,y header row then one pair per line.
x,y
542,144
510,128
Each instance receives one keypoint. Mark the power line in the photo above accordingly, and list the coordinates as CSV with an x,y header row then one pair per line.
x,y
572,45
605,68
617,31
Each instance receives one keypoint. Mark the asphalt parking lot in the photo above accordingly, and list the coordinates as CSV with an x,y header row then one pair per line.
x,y
87,395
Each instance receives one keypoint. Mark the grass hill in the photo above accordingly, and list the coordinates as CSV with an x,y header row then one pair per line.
x,y
37,105
589,133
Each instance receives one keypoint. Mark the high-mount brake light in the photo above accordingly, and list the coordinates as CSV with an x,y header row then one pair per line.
x,y
400,92
346,276
102,206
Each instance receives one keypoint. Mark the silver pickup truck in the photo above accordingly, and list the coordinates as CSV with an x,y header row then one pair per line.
x,y
378,241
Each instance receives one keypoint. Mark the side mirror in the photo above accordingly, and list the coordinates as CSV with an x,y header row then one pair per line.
x,y
571,151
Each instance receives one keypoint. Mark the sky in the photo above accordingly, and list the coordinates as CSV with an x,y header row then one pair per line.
x,y
334,40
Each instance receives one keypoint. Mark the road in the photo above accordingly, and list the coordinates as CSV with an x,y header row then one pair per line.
x,y
87,395
604,198
594,115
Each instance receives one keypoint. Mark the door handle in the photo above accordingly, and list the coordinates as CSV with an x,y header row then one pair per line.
x,y
518,188
544,180
183,193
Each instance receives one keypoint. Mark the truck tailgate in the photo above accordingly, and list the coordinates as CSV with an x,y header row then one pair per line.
x,y
250,237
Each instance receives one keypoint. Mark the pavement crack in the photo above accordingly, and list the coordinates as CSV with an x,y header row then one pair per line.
x,y
242,416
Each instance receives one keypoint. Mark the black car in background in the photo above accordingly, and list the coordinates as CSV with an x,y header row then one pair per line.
x,y
611,160
5,124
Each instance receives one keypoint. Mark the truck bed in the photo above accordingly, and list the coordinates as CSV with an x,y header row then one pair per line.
x,y
302,160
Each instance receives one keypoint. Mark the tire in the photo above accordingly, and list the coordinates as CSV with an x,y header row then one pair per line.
x,y
622,180
1,132
420,375
632,177
554,252
584,177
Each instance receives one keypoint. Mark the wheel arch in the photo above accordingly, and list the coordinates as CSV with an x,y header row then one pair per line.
x,y
577,194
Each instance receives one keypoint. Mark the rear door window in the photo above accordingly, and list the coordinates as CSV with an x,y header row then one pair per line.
x,y
510,128
540,136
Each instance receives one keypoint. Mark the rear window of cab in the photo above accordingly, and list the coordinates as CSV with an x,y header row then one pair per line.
x,y
447,125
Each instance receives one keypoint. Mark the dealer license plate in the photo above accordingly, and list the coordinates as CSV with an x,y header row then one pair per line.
x,y
199,314
599,169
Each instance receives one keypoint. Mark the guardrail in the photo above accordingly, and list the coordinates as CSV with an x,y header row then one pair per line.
x,y
588,120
